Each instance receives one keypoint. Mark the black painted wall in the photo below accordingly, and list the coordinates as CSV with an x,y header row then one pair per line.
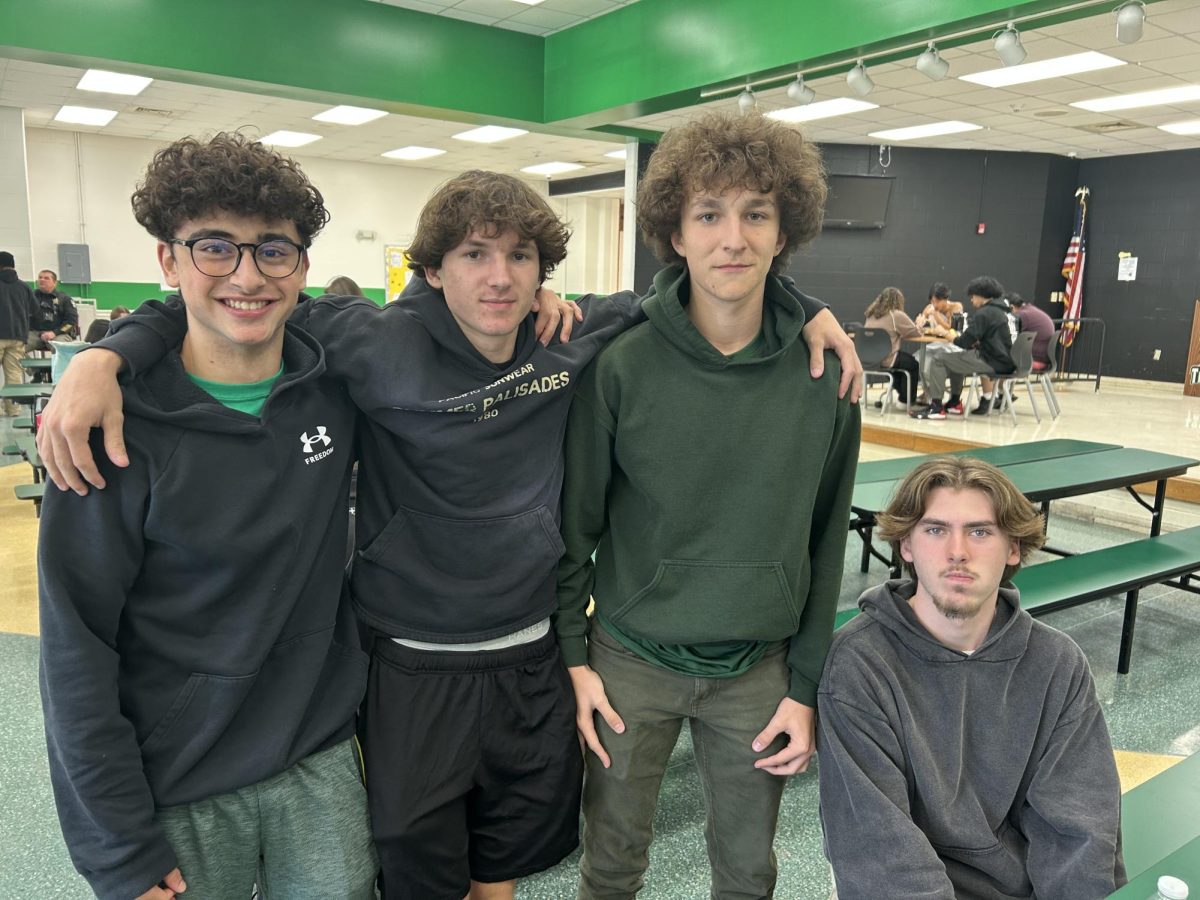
x,y
938,199
1147,205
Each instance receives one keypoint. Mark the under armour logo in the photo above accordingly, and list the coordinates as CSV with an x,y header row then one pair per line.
x,y
319,438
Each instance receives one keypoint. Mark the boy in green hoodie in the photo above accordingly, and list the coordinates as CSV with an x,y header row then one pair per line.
x,y
715,482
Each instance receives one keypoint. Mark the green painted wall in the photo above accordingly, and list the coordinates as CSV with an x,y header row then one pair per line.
x,y
648,57
108,294
322,50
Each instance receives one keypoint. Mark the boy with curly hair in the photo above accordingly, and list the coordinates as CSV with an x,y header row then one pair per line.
x,y
712,480
200,671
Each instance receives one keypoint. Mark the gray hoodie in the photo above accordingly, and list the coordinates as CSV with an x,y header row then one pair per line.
x,y
986,776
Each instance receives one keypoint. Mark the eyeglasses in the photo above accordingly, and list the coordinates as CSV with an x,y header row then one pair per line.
x,y
218,258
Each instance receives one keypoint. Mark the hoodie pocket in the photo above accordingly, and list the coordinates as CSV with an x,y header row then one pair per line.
x,y
196,719
502,559
694,601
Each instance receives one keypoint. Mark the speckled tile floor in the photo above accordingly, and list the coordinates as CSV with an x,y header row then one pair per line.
x,y
1153,711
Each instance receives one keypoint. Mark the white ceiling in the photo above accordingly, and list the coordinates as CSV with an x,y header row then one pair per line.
x,y
1033,117
1029,117
546,17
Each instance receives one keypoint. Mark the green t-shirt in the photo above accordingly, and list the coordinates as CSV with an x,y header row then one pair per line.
x,y
248,398
714,659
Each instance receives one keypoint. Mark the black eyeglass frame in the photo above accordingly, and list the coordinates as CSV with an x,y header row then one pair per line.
x,y
191,243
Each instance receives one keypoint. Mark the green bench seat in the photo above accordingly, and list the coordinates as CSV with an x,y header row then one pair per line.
x,y
32,492
1126,568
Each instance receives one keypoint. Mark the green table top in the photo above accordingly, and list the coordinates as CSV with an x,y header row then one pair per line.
x,y
1160,816
1051,479
1007,455
25,393
30,362
1184,863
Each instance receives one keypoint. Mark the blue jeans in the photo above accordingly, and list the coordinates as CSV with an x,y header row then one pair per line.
x,y
742,803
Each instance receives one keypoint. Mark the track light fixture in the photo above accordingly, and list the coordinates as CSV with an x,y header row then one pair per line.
x,y
1131,17
858,79
931,64
800,93
1008,46
746,101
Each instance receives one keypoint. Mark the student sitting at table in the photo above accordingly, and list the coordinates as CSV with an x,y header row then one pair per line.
x,y
886,312
963,750
937,318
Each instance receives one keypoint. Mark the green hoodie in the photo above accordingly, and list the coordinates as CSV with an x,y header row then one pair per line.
x,y
716,489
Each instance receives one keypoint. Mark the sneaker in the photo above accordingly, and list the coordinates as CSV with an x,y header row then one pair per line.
x,y
955,409
984,407
933,411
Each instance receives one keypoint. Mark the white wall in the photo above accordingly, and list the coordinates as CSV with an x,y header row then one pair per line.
x,y
79,185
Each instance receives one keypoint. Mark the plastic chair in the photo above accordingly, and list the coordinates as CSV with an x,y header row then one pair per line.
x,y
1045,377
873,346
1022,357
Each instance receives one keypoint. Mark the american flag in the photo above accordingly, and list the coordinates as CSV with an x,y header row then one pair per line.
x,y
1072,270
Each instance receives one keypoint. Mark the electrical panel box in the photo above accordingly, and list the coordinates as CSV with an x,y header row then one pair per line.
x,y
74,264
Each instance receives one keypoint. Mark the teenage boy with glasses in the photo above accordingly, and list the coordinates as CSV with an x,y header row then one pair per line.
x,y
200,668
468,726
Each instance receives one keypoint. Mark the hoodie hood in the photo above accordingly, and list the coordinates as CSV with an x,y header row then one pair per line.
x,y
887,604
165,394
427,305
665,307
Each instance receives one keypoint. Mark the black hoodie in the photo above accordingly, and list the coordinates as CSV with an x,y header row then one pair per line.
x,y
18,309
194,638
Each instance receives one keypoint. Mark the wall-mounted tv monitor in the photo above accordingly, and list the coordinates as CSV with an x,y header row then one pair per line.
x,y
858,201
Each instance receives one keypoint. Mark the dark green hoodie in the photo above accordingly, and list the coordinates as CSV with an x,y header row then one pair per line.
x,y
717,489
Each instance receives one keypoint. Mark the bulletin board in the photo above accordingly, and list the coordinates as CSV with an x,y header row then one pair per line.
x,y
396,271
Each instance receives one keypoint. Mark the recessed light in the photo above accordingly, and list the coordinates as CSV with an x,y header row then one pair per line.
x,y
616,154
552,168
350,115
921,131
85,115
413,153
1058,67
1163,97
1190,127
826,109
289,138
489,134
112,82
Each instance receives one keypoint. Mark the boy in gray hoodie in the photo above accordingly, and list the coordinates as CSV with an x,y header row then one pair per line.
x,y
963,752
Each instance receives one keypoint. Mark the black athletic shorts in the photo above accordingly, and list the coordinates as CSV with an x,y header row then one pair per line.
x,y
473,766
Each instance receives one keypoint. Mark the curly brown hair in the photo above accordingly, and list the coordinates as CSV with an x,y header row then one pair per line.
x,y
192,178
889,300
491,204
1016,517
718,152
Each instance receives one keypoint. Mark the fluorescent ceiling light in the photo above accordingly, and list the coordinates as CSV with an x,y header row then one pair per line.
x,y
112,82
826,109
1190,127
489,134
1163,97
413,153
350,115
530,2
85,115
922,131
1058,67
289,138
552,168
616,154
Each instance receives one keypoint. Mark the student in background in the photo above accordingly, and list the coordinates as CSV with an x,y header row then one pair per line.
x,y
886,312
99,327
937,318
343,286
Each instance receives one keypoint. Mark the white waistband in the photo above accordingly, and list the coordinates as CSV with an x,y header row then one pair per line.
x,y
534,632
